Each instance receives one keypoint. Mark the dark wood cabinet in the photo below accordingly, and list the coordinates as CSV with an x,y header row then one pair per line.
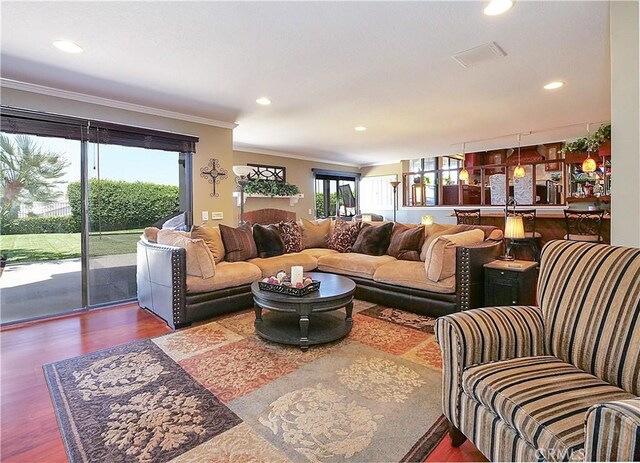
x,y
510,283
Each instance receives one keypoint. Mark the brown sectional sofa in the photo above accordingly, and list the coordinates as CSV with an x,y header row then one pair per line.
x,y
180,299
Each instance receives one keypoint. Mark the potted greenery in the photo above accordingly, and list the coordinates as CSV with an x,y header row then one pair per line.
x,y
270,188
591,144
603,135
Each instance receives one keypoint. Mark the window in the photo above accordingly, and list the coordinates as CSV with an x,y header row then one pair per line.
x,y
336,193
376,193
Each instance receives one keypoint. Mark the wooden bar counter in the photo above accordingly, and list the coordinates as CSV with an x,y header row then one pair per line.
x,y
549,223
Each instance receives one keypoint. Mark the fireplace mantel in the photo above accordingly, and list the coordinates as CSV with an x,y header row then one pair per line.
x,y
293,199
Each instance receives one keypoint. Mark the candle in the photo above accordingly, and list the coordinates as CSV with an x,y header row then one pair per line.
x,y
296,274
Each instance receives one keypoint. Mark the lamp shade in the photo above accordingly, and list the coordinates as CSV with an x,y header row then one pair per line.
x,y
464,175
519,172
514,228
242,171
589,165
427,220
394,184
366,217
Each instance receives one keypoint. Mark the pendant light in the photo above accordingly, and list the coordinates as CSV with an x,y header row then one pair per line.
x,y
519,171
464,173
589,164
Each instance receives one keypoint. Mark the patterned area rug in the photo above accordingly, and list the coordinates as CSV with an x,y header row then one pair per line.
x,y
217,392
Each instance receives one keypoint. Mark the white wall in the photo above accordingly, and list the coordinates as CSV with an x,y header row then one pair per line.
x,y
625,124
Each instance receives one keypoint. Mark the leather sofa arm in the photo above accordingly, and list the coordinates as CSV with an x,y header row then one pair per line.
x,y
161,274
480,336
613,431
470,272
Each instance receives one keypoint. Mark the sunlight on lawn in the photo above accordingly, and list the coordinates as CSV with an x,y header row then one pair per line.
x,y
55,246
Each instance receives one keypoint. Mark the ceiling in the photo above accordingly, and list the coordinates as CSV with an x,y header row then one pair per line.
x,y
328,67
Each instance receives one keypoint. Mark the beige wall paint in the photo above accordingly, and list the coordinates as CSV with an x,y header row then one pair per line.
x,y
298,172
214,142
625,122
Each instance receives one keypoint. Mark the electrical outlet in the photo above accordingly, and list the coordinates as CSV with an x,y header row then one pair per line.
x,y
205,216
217,215
310,211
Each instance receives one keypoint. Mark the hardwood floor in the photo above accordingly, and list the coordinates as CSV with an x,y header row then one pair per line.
x,y
29,430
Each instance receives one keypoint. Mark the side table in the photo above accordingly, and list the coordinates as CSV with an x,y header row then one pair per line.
x,y
510,282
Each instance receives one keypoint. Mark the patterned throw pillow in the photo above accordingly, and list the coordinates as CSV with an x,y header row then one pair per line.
x,y
291,234
344,236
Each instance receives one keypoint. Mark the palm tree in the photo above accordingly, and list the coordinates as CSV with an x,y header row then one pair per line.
x,y
28,173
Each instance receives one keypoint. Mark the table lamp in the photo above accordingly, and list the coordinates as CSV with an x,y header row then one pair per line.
x,y
427,220
366,217
513,230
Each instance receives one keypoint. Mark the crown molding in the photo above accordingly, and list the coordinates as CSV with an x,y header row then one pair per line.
x,y
267,152
84,98
382,163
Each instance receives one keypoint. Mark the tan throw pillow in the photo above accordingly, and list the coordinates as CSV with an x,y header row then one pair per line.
x,y
440,262
431,232
200,262
151,234
212,238
316,235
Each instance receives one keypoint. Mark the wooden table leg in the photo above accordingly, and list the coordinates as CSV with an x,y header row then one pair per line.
x,y
349,309
304,332
258,311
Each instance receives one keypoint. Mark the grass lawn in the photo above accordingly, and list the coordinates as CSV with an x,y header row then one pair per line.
x,y
54,246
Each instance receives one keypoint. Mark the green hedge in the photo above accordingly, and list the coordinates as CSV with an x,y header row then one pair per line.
x,y
119,205
33,225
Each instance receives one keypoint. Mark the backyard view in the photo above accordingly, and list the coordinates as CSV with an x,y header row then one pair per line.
x,y
41,221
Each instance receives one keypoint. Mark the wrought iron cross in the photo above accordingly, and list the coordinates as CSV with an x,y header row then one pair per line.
x,y
213,173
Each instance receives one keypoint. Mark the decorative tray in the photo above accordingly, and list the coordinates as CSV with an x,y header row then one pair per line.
x,y
290,290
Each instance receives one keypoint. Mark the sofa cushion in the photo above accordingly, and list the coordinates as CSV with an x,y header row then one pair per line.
x,y
212,238
344,236
440,261
412,275
228,275
406,242
373,240
319,252
238,242
315,234
360,265
200,261
431,232
268,240
271,265
543,398
490,232
291,234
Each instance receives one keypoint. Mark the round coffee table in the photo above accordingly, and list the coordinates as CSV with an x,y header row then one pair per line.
x,y
302,321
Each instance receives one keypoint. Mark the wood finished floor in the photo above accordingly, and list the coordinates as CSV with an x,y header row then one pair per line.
x,y
29,430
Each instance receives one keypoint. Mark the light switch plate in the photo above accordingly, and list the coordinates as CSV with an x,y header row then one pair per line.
x,y
205,216
217,215
310,211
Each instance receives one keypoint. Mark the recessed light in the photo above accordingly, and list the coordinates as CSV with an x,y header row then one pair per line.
x,y
264,101
67,46
496,7
553,85
360,128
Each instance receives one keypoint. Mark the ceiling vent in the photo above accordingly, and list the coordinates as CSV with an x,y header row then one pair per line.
x,y
477,55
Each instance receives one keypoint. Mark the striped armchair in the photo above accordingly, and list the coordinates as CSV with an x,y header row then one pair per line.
x,y
554,383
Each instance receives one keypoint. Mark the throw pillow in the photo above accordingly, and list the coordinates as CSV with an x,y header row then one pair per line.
x,y
316,234
441,257
238,242
406,242
291,234
373,241
200,262
268,240
212,238
151,234
344,235
431,232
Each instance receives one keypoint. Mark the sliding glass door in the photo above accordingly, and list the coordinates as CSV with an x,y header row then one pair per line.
x,y
129,189
40,239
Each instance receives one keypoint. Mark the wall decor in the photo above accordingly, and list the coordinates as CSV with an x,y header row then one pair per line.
x,y
262,172
213,173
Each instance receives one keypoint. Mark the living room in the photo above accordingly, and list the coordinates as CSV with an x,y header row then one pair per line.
x,y
467,139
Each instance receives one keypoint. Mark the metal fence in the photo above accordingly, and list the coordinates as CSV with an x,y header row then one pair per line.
x,y
45,209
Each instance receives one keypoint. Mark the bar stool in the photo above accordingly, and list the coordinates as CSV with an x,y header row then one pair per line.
x,y
467,216
583,225
532,238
